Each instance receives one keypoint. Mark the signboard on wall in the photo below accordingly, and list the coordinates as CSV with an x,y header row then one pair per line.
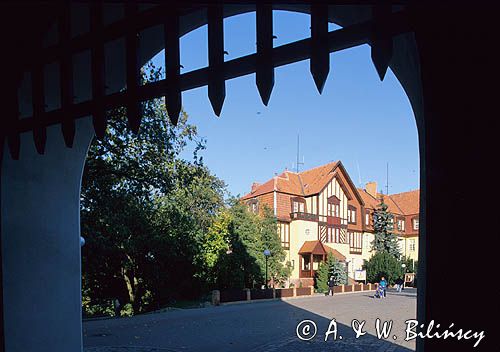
x,y
360,275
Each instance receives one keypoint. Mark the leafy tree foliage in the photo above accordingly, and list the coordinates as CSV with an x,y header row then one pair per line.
x,y
383,224
157,226
330,267
383,264
234,248
277,272
144,210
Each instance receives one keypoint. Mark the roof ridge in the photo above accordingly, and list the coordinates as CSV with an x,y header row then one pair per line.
x,y
364,190
397,205
301,184
317,167
412,190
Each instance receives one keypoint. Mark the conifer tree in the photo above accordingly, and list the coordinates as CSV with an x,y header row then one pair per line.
x,y
383,225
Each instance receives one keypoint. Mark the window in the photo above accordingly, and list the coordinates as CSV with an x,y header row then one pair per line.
x,y
284,233
253,206
334,235
401,225
367,218
333,210
333,207
351,214
412,245
298,205
415,224
355,242
308,232
306,262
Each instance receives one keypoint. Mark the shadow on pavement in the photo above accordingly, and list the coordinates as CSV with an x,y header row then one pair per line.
x,y
262,326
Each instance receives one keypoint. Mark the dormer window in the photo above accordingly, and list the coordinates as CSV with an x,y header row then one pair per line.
x,y
351,214
415,224
253,206
401,224
298,205
333,207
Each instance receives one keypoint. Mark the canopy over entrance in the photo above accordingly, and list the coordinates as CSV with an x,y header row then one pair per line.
x,y
317,248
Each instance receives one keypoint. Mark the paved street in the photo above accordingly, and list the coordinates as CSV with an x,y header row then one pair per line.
x,y
260,326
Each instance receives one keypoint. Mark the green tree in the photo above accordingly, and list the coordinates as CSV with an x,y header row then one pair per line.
x,y
330,267
234,246
144,210
383,264
277,272
383,224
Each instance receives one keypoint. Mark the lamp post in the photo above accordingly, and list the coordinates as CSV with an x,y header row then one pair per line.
x,y
150,256
267,253
347,271
404,274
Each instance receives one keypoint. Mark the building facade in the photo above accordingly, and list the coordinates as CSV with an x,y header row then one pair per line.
x,y
320,211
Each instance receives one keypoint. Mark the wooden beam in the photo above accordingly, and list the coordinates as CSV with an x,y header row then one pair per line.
x,y
337,40
173,98
320,55
98,71
264,70
216,81
382,43
66,75
38,103
133,105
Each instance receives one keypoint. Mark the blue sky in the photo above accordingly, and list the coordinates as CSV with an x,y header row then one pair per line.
x,y
359,120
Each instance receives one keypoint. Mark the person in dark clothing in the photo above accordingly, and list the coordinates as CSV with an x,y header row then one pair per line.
x,y
330,286
399,284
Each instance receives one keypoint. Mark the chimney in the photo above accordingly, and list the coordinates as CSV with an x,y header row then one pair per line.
x,y
371,189
254,186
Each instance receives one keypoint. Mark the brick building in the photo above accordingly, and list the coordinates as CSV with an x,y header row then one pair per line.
x,y
320,211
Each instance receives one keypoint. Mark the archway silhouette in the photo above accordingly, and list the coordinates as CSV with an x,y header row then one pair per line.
x,y
29,184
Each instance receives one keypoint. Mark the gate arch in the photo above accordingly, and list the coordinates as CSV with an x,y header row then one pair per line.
x,y
54,229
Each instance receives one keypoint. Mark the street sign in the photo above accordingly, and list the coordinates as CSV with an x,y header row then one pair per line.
x,y
360,275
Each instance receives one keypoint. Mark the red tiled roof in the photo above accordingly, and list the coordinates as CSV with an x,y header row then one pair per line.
x,y
370,201
406,203
313,247
316,247
335,253
302,184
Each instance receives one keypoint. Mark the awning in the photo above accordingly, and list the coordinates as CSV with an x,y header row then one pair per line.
x,y
316,247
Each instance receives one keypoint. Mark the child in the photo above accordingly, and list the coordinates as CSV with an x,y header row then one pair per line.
x,y
383,285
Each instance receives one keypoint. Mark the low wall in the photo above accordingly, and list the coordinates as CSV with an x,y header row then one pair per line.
x,y
261,294
303,291
354,288
234,295
284,292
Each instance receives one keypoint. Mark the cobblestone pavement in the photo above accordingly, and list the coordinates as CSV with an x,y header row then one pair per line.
x,y
260,326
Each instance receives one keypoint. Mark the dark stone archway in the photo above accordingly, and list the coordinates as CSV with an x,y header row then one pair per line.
x,y
443,69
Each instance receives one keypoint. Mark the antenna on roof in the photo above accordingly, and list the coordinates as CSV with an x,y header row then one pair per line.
x,y
359,175
387,180
298,150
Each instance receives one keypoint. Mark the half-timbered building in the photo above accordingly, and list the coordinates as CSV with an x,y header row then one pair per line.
x,y
320,211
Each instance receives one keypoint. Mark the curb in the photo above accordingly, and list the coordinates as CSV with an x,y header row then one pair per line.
x,y
290,298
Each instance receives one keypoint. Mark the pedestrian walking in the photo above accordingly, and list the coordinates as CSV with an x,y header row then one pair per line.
x,y
399,284
330,286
